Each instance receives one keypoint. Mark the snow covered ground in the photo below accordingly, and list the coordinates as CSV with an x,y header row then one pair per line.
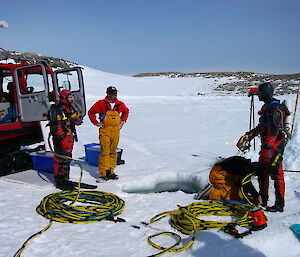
x,y
171,139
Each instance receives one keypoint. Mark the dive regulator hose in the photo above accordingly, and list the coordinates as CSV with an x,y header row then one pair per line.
x,y
61,206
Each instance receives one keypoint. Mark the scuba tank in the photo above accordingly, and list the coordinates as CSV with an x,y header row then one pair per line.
x,y
287,120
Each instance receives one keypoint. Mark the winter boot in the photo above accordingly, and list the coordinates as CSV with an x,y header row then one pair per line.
x,y
275,208
279,204
63,184
113,176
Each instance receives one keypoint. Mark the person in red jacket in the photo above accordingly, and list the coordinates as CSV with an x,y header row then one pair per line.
x,y
112,116
273,142
63,117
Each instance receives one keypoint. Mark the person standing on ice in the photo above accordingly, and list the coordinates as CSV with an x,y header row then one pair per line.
x,y
273,142
110,122
63,117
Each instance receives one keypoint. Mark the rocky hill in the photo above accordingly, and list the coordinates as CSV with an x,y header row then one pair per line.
x,y
33,58
239,82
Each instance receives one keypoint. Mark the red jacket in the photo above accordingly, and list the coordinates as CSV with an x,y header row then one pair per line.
x,y
102,106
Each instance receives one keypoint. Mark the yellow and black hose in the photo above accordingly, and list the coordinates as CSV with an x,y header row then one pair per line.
x,y
186,219
61,206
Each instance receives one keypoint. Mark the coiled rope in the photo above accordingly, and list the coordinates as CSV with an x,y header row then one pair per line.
x,y
98,206
93,206
186,219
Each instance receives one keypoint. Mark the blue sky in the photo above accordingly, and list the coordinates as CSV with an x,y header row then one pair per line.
x,y
132,36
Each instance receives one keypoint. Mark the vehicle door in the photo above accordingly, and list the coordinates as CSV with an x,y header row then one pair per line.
x,y
32,92
71,79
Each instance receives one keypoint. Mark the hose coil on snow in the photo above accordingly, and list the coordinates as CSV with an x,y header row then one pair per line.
x,y
186,220
93,206
77,206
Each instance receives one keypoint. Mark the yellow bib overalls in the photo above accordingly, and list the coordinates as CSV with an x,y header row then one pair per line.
x,y
109,140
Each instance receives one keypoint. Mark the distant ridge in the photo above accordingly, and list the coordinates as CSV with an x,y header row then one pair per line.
x,y
238,74
241,81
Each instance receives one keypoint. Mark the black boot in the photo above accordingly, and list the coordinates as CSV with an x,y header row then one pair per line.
x,y
275,208
110,175
113,176
279,201
63,184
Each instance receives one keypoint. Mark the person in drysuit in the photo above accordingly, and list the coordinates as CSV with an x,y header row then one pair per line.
x,y
112,116
226,177
63,117
273,142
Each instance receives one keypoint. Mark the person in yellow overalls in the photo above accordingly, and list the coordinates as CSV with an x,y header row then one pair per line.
x,y
112,116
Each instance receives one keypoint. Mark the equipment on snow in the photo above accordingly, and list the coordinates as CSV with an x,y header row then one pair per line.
x,y
259,221
296,229
56,207
94,206
188,220
231,229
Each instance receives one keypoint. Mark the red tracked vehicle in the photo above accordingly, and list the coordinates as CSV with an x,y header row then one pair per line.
x,y
26,92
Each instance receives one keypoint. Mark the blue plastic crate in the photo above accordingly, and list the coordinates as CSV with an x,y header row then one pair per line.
x,y
43,161
92,152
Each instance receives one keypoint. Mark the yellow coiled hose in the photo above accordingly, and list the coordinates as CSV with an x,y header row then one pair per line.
x,y
186,219
61,206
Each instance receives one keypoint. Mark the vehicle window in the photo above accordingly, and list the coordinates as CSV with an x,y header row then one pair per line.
x,y
68,80
7,105
5,78
6,92
33,83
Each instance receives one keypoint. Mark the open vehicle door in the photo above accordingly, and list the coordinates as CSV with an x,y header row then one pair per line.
x,y
32,92
71,79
